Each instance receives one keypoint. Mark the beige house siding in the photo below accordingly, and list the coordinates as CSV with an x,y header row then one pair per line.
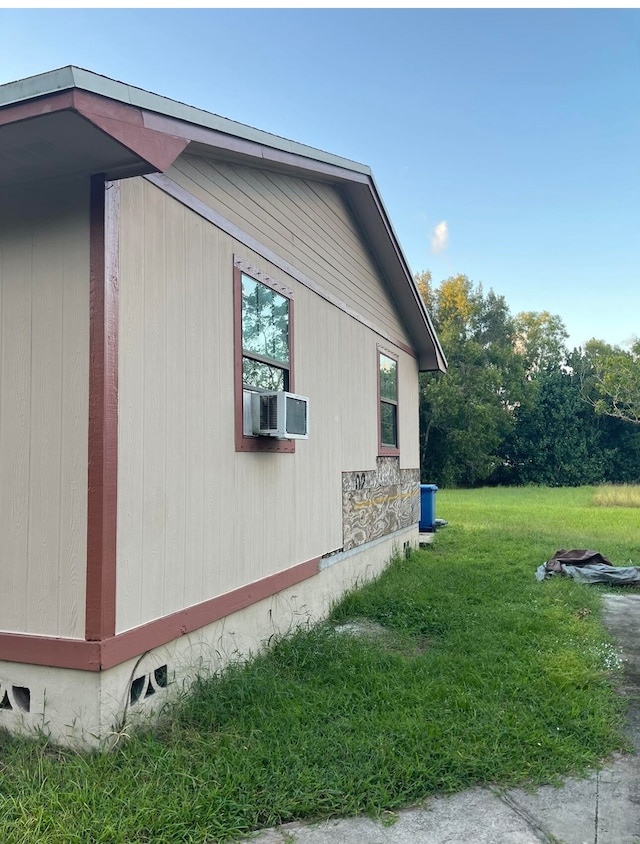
x,y
44,366
197,519
305,222
409,411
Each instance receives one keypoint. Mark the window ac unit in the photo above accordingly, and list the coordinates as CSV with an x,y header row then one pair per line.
x,y
280,414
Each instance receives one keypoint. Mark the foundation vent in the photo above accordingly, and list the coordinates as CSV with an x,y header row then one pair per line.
x,y
15,697
149,684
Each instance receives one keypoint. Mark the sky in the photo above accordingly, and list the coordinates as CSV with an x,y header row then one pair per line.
x,y
505,142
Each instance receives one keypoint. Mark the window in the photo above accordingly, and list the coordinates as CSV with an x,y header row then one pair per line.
x,y
264,347
388,404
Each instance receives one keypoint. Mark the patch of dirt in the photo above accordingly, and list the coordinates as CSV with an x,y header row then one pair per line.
x,y
391,640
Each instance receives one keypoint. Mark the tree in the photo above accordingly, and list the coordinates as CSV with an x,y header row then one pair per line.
x,y
540,339
619,436
423,283
466,413
616,375
555,440
514,406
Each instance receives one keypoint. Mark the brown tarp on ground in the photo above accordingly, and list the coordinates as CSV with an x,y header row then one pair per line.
x,y
587,566
580,557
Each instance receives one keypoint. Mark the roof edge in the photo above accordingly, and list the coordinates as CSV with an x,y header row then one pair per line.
x,y
440,358
39,85
68,77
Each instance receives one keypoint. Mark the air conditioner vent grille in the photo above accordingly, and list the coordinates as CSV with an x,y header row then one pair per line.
x,y
296,415
280,414
268,413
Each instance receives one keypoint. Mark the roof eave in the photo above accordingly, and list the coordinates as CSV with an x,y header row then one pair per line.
x,y
369,209
152,117
69,77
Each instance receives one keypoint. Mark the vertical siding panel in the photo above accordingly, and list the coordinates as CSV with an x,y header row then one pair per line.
x,y
46,405
217,489
73,486
249,526
269,487
180,404
196,317
129,581
318,471
42,448
358,397
43,402
222,479
409,412
155,407
15,424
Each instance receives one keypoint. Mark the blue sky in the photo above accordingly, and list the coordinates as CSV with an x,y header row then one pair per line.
x,y
505,143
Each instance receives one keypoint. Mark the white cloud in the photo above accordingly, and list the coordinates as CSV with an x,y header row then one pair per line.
x,y
439,237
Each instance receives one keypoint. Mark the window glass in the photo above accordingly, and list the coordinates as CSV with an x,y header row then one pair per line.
x,y
265,336
262,376
265,322
388,374
388,378
388,424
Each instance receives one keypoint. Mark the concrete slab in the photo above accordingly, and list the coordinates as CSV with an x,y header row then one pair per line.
x,y
476,816
601,809
622,617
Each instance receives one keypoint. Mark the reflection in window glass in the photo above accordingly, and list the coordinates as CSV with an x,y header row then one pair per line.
x,y
388,424
265,336
265,321
388,378
388,370
261,375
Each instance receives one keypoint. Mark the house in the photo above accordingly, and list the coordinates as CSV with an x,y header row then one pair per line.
x,y
210,343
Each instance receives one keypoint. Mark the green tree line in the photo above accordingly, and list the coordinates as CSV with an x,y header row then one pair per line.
x,y
516,405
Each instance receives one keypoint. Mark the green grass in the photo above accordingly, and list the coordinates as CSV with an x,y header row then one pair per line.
x,y
483,675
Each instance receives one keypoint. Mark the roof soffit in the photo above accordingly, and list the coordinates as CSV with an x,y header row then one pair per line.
x,y
142,149
126,125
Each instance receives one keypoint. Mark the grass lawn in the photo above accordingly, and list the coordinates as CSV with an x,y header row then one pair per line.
x,y
482,675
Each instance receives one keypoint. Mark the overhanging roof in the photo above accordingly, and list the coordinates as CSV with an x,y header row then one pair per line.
x,y
71,121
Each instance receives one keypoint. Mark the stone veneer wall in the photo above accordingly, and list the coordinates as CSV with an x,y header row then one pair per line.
x,y
379,502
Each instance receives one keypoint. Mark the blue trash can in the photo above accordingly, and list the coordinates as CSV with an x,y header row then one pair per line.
x,y
427,522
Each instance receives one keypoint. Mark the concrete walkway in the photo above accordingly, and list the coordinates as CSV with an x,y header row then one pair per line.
x,y
602,809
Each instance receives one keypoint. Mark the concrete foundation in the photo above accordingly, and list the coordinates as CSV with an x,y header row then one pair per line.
x,y
97,708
